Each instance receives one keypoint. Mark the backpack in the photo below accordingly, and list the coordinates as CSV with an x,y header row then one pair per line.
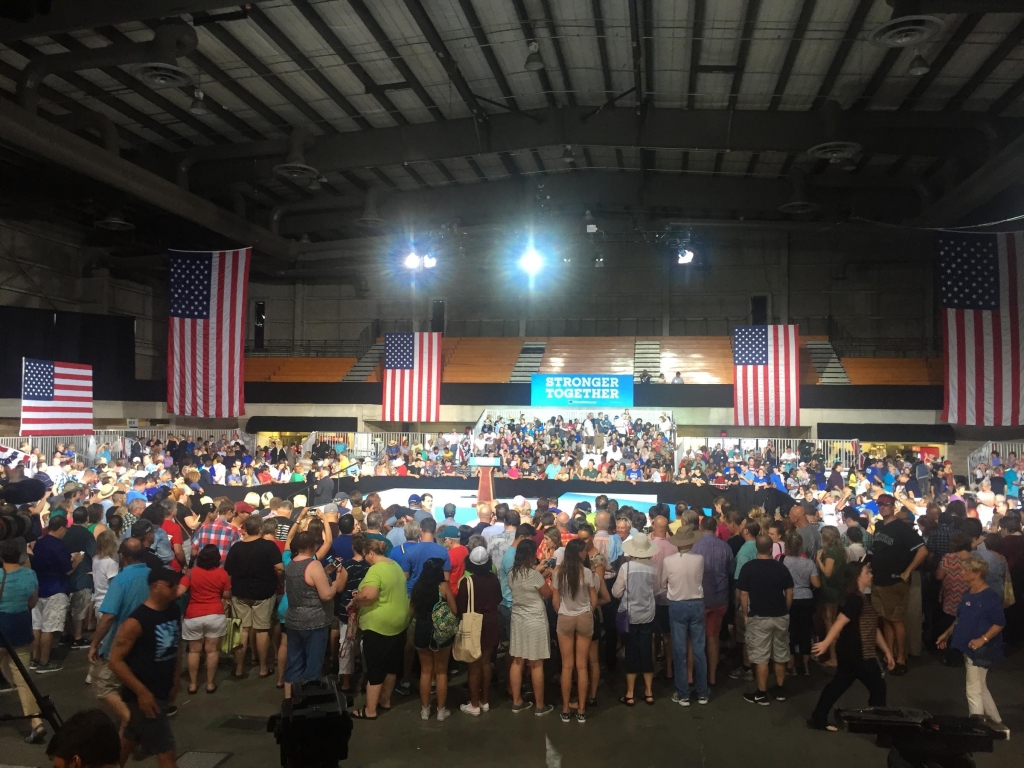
x,y
443,622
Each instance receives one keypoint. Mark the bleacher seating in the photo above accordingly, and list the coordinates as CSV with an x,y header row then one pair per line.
x,y
319,369
588,354
480,360
700,359
903,371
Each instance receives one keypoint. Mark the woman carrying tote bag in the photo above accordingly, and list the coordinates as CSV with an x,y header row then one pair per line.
x,y
479,630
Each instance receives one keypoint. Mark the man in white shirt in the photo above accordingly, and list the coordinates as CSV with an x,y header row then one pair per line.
x,y
588,432
682,576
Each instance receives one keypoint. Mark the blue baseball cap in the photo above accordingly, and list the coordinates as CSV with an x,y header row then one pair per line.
x,y
415,499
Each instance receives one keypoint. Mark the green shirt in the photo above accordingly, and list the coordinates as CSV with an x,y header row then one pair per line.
x,y
389,615
590,473
388,546
747,553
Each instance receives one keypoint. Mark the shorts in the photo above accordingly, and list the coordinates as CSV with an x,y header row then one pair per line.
x,y
713,621
50,613
505,617
891,602
662,625
382,655
199,627
153,733
740,621
768,639
80,602
581,624
258,614
104,682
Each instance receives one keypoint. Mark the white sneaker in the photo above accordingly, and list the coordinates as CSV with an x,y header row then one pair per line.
x,y
443,714
469,709
424,713
485,707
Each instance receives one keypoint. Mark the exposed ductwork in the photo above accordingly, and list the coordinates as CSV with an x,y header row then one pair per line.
x,y
295,166
324,203
94,121
800,204
170,42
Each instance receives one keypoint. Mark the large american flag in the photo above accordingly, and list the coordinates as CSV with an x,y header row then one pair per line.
x,y
766,388
981,277
206,333
412,377
56,398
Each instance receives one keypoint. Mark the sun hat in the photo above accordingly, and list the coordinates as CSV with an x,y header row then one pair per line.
x,y
478,556
106,490
638,545
685,537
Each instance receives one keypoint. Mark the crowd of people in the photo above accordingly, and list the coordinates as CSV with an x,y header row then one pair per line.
x,y
134,562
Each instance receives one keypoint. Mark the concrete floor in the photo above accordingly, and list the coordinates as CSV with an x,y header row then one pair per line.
x,y
727,732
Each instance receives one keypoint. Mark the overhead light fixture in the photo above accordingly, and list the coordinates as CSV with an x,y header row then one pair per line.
x,y
531,261
198,106
685,256
429,262
315,183
919,66
534,63
567,155
598,261
412,261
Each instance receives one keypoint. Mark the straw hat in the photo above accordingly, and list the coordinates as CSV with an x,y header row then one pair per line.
x,y
685,537
638,545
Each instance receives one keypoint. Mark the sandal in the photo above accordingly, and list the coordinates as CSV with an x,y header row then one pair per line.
x,y
36,736
629,701
269,673
360,714
592,702
193,691
815,727
383,709
279,685
649,699
212,690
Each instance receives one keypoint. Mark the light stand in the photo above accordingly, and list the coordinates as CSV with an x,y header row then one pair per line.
x,y
47,709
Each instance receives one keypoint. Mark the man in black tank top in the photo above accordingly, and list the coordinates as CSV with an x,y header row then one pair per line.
x,y
145,658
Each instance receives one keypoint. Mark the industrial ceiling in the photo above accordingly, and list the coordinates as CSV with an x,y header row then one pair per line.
x,y
287,121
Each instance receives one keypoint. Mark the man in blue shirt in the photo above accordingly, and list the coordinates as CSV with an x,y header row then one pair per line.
x,y
427,549
126,592
53,565
634,473
551,470
777,479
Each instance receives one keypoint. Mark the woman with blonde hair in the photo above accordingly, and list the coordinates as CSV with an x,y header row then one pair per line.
x,y
831,559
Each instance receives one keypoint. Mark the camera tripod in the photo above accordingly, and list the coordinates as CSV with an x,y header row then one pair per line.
x,y
47,709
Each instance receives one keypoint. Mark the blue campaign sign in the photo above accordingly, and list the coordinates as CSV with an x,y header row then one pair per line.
x,y
582,390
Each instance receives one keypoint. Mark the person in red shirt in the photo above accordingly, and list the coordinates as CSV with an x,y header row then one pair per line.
x,y
204,623
457,553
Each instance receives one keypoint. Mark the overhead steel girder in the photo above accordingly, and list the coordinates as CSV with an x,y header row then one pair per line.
x,y
71,15
42,138
910,133
515,200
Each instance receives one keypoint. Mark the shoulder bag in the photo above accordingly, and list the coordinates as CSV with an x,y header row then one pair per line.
x,y
443,623
467,638
622,617
1008,597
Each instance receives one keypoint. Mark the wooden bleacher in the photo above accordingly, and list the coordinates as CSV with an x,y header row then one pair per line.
x,y
588,354
480,360
700,359
894,370
319,369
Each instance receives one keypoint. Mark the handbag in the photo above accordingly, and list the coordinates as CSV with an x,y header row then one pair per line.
x,y
1008,597
467,637
232,638
443,622
622,617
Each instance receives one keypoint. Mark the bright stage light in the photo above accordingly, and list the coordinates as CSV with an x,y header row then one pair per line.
x,y
531,262
429,262
412,261
685,256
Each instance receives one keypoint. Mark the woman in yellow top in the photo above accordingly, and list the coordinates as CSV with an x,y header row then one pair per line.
x,y
383,604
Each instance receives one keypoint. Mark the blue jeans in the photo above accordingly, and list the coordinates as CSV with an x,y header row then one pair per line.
x,y
306,648
687,617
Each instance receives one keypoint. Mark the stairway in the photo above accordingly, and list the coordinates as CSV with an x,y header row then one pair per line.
x,y
366,364
646,357
528,362
826,363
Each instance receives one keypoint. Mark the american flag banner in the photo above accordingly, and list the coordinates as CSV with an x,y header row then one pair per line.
x,y
206,333
766,384
56,398
981,277
412,377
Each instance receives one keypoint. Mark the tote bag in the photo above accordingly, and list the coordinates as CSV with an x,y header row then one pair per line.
x,y
467,638
233,636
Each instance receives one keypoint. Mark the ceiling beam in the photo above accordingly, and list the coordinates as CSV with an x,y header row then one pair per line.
x,y
747,35
39,137
549,22
648,38
531,36
236,89
839,59
893,133
696,44
444,57
803,20
488,52
506,200
602,46
636,51
1003,170
1007,98
1010,42
72,15
877,78
941,60
377,32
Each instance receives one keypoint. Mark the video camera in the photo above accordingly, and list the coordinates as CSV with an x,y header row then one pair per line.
x,y
918,739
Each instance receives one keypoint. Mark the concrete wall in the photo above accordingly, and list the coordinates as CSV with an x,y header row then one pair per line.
x,y
870,282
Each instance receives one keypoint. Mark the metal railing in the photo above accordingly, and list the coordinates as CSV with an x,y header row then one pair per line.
x,y
87,446
983,455
845,451
847,345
